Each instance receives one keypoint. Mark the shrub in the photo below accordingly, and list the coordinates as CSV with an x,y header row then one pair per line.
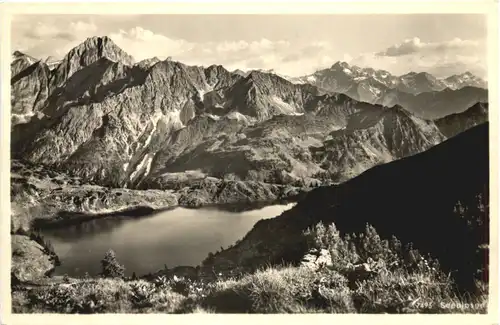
x,y
343,252
397,278
110,266
141,294
422,291
366,247
283,290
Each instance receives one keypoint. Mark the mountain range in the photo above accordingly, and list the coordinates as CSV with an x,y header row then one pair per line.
x,y
100,116
414,91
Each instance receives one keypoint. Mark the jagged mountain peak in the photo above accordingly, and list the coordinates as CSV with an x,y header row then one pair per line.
x,y
422,79
240,72
464,79
260,77
423,74
148,63
217,67
18,54
86,53
99,46
27,59
340,64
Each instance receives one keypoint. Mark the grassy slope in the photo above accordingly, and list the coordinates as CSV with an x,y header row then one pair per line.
x,y
400,281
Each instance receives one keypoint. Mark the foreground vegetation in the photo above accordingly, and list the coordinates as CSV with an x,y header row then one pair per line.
x,y
361,274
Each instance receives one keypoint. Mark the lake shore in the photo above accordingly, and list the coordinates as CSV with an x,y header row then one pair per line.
x,y
45,199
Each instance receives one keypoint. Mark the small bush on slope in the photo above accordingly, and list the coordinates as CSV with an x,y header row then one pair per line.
x,y
98,296
399,278
110,266
282,290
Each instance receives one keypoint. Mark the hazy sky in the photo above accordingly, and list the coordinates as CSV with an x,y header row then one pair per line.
x,y
442,44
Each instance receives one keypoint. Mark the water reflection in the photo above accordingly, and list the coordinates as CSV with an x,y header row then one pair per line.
x,y
174,237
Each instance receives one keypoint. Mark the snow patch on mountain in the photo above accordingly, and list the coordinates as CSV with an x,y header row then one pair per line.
x,y
202,92
173,119
154,120
374,90
30,60
234,115
148,165
283,106
21,118
311,78
139,167
214,117
185,175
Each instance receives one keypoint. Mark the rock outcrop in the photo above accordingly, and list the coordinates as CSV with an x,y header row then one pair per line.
x,y
29,261
317,259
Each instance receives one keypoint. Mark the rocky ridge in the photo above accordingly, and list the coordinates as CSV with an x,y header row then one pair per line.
x,y
454,124
100,117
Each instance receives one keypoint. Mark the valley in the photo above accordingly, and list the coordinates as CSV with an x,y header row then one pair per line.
x,y
100,143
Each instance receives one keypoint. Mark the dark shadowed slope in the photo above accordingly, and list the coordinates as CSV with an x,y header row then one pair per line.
x,y
414,198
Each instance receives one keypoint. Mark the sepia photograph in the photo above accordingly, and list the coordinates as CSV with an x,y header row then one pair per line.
x,y
249,163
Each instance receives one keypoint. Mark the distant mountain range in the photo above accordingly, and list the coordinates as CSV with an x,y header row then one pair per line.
x,y
413,83
413,91
100,116
380,87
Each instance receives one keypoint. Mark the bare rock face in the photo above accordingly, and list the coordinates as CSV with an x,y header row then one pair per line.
x,y
317,259
374,137
20,61
148,63
262,95
30,89
29,262
88,52
33,81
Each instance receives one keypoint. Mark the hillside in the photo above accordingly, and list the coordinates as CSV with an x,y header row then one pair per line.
x,y
419,199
